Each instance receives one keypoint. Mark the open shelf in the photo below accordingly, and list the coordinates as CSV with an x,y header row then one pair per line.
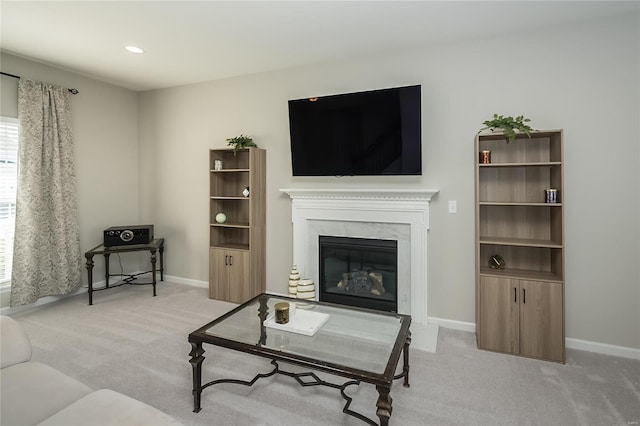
x,y
509,184
238,161
524,257
228,184
520,221
236,210
541,147
233,246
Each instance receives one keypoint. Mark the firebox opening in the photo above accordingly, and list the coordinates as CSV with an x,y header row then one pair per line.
x,y
359,272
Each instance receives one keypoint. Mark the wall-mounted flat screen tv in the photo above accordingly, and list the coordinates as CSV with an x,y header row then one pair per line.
x,y
368,133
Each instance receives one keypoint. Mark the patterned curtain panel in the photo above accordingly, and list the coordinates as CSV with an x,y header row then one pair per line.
x,y
46,252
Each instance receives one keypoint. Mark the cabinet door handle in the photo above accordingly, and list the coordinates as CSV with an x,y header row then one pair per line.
x,y
515,295
524,296
226,260
230,260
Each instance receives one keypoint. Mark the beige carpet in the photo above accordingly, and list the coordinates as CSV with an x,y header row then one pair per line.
x,y
137,344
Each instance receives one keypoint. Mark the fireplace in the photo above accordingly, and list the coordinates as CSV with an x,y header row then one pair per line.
x,y
390,214
360,272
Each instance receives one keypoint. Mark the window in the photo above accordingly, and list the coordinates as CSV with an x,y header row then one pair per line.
x,y
8,186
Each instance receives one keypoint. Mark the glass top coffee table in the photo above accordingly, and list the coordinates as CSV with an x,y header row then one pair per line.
x,y
360,344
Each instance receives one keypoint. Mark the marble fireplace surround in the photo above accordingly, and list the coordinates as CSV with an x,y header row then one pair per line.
x,y
392,214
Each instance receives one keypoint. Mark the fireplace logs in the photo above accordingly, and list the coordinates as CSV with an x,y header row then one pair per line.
x,y
362,282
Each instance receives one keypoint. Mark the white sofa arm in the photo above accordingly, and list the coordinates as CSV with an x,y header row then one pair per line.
x,y
15,346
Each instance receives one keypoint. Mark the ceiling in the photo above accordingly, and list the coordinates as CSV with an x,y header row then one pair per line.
x,y
193,41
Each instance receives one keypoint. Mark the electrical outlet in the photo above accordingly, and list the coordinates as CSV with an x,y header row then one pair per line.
x,y
453,206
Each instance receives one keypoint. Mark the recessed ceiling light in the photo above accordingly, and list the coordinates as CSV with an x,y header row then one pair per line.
x,y
134,49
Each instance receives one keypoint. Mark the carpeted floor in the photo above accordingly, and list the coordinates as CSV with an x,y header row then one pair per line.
x,y
137,344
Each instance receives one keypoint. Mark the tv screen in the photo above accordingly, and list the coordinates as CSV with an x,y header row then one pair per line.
x,y
369,133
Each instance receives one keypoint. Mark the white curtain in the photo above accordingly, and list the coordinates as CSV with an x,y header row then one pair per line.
x,y
46,251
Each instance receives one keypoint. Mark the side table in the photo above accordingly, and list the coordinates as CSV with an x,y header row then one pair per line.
x,y
157,245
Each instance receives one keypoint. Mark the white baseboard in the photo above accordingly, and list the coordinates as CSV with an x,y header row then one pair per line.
x,y
570,343
9,310
456,325
186,281
602,348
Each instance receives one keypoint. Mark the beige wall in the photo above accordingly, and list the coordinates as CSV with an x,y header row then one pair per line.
x,y
105,129
583,79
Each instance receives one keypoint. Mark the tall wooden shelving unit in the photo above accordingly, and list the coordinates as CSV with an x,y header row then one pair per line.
x,y
237,266
520,309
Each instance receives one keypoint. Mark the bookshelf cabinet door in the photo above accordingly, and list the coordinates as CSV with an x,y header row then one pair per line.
x,y
238,276
218,282
499,315
541,320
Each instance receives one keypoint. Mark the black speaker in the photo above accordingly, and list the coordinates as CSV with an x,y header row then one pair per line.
x,y
128,235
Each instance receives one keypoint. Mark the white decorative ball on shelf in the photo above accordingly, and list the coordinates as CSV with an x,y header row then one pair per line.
x,y
221,218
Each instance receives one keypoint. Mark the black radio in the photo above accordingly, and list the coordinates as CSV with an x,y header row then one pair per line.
x,y
128,235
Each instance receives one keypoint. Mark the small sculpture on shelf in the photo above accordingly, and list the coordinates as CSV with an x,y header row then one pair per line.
x,y
221,217
551,195
497,262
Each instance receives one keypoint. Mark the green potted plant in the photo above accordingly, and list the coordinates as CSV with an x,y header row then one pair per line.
x,y
509,126
240,142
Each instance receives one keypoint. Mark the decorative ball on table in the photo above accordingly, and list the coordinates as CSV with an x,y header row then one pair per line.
x,y
221,217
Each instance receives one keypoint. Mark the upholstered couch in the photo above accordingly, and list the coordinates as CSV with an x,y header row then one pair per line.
x,y
33,393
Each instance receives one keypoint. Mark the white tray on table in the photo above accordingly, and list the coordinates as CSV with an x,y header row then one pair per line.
x,y
301,322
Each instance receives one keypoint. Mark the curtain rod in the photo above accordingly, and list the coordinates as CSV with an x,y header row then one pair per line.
x,y
73,91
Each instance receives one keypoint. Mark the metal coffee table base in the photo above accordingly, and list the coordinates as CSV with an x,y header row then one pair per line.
x,y
384,407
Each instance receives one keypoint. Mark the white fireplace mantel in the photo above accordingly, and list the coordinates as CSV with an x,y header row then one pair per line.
x,y
367,213
382,195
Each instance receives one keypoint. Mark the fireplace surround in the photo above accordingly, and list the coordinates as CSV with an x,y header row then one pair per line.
x,y
390,214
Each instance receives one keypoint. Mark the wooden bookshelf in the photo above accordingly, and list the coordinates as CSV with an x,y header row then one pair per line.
x,y
237,265
520,309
